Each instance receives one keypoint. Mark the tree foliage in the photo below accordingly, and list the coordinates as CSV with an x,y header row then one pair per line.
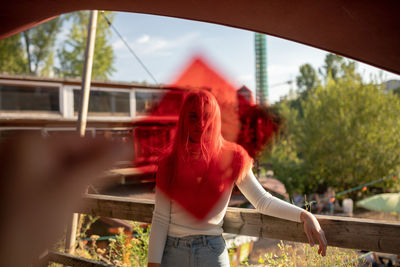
x,y
287,165
332,66
397,91
348,134
336,67
32,51
40,46
12,57
307,79
71,55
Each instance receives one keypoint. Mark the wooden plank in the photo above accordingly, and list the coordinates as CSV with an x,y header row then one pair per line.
x,y
140,210
135,171
71,260
363,234
345,232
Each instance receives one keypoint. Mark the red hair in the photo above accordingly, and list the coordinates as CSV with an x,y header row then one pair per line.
x,y
198,185
211,139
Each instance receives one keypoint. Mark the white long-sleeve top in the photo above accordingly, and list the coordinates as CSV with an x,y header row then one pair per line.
x,y
171,219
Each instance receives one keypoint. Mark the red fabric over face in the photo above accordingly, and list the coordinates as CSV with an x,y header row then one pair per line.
x,y
197,187
199,74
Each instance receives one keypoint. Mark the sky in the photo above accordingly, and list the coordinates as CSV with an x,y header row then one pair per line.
x,y
165,45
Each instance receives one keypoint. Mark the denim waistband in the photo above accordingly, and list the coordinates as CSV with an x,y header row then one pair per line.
x,y
191,240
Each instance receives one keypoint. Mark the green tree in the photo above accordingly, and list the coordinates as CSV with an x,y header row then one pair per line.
x,y
396,91
71,55
288,167
349,135
40,46
307,79
344,133
336,67
12,58
332,66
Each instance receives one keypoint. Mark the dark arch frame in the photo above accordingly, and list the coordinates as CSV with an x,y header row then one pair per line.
x,y
365,30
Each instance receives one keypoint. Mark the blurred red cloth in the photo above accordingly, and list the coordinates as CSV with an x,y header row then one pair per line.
x,y
196,187
247,127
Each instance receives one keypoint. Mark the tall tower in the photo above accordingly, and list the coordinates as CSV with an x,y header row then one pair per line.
x,y
260,45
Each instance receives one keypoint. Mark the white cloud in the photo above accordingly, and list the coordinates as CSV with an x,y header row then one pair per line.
x,y
143,39
245,78
118,45
162,46
277,70
156,46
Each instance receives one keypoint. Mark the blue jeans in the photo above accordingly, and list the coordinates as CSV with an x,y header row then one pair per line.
x,y
195,251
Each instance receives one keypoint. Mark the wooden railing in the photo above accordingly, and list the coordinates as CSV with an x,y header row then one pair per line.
x,y
362,234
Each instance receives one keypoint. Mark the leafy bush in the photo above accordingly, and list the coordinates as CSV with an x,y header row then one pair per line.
x,y
298,254
343,133
123,250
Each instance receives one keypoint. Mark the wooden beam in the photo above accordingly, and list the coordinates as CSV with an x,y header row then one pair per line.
x,y
345,232
135,171
118,207
71,260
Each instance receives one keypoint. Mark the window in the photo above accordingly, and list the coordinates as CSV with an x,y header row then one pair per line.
x,y
103,103
158,103
29,98
146,102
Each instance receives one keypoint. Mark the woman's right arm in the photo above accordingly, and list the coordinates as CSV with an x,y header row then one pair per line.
x,y
159,228
267,204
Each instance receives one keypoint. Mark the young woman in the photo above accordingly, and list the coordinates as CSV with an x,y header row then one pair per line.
x,y
194,184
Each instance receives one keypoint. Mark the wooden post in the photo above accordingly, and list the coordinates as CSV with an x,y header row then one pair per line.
x,y
82,115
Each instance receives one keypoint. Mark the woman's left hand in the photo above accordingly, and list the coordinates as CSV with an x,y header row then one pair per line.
x,y
312,228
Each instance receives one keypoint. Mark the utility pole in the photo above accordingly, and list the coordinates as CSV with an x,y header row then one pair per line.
x,y
87,73
82,115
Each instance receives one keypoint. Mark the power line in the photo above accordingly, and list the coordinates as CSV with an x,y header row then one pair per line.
x,y
362,186
129,48
289,82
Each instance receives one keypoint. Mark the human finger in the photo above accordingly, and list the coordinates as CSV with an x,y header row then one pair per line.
x,y
322,242
309,236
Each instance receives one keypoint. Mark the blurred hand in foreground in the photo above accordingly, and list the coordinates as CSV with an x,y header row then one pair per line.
x,y
41,183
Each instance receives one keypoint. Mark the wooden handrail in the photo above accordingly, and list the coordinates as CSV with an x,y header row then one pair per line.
x,y
363,234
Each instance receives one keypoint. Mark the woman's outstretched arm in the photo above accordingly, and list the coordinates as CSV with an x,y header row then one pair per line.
x,y
267,204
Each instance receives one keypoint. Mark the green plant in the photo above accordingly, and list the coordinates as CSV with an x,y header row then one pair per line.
x,y
84,227
122,250
297,254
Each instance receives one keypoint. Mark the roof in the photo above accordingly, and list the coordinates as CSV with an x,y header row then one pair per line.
x,y
368,30
77,81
